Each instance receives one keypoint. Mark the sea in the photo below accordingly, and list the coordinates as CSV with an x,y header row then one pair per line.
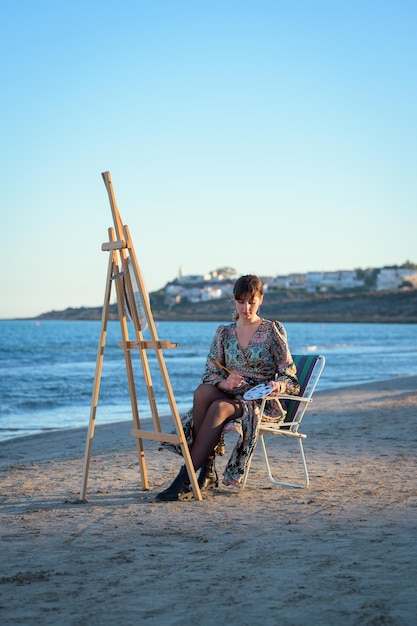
x,y
47,368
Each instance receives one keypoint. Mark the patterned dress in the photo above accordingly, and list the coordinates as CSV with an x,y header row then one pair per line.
x,y
267,357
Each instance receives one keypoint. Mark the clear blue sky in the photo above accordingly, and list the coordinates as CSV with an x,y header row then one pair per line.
x,y
272,136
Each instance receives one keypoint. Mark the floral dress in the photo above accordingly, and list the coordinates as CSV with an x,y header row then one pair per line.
x,y
267,357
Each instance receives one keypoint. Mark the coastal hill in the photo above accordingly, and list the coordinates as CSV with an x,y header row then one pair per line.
x,y
285,305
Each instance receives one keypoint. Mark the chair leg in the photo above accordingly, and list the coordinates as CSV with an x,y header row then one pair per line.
x,y
245,475
284,484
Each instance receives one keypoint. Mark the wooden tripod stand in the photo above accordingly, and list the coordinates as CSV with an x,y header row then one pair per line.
x,y
124,271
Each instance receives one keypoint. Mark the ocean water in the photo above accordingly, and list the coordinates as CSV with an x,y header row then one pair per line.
x,y
47,368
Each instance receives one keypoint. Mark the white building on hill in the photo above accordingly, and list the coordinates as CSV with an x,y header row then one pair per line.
x,y
390,278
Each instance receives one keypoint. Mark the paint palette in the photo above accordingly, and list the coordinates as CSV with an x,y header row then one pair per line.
x,y
260,391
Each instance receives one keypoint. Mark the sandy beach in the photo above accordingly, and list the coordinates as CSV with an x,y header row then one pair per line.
x,y
343,551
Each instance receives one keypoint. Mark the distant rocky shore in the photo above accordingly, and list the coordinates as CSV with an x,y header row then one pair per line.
x,y
369,307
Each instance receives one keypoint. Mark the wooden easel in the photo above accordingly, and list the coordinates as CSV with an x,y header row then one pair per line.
x,y
123,270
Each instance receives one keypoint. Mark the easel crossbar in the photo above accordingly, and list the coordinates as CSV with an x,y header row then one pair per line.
x,y
148,345
109,246
150,434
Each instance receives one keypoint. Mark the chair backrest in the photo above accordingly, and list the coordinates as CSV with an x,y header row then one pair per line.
x,y
309,369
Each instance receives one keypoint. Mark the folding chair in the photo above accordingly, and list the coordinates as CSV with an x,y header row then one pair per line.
x,y
309,369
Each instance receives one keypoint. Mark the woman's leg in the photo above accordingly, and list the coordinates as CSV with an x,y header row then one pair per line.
x,y
204,395
212,409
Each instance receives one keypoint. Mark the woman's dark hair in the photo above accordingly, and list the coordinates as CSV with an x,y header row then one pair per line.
x,y
249,284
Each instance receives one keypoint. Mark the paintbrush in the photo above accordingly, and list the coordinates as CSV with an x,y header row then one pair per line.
x,y
226,370
222,366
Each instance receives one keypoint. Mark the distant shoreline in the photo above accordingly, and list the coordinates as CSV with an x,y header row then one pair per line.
x,y
298,319
353,307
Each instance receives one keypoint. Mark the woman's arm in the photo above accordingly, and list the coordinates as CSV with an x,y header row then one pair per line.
x,y
213,373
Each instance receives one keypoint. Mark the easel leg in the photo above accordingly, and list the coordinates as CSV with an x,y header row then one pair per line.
x,y
131,384
97,379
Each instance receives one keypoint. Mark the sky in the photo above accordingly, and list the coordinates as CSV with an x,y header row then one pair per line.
x,y
270,136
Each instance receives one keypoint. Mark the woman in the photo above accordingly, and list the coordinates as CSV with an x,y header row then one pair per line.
x,y
256,351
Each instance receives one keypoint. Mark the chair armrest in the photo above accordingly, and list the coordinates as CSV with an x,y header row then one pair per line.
x,y
285,396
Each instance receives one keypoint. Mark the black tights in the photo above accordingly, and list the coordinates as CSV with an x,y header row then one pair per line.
x,y
212,408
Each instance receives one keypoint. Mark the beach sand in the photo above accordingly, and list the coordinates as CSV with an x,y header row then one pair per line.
x,y
343,551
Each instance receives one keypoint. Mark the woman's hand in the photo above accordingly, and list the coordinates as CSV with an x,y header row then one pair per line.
x,y
279,387
231,382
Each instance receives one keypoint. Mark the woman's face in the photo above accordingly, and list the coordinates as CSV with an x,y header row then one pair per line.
x,y
248,305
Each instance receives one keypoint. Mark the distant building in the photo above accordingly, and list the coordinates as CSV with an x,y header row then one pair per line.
x,y
395,277
193,279
297,281
333,281
282,281
219,284
211,293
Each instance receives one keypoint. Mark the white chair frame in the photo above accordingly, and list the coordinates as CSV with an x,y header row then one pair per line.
x,y
289,429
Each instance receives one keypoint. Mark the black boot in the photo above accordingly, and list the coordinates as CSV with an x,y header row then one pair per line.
x,y
208,478
180,489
